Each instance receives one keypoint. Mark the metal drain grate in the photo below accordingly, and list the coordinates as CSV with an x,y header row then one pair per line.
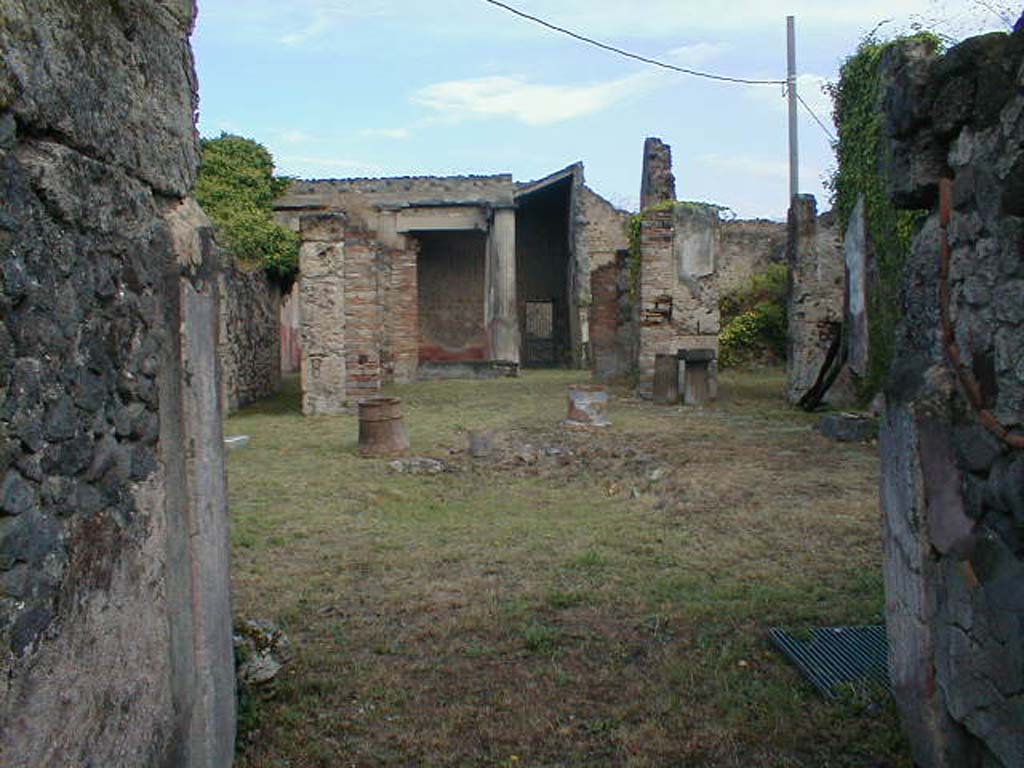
x,y
832,656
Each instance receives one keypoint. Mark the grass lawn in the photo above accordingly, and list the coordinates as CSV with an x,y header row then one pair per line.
x,y
575,599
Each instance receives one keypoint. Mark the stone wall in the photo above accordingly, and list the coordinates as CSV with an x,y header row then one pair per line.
x,y
816,294
408,190
360,327
678,292
748,248
250,336
115,620
605,227
393,207
657,183
952,439
612,319
679,254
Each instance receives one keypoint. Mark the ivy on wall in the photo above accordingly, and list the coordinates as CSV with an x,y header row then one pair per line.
x,y
858,118
236,187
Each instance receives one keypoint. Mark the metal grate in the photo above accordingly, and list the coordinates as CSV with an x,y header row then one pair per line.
x,y
831,657
540,333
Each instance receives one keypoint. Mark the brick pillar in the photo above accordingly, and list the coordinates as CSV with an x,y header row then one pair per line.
x,y
364,321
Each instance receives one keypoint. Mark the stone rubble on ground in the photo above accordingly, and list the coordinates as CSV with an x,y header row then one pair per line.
x,y
261,650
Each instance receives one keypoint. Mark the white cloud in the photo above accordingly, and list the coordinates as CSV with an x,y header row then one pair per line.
x,y
529,103
697,54
749,165
386,133
324,16
307,166
811,90
294,136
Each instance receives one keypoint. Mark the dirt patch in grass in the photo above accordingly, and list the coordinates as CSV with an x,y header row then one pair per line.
x,y
572,599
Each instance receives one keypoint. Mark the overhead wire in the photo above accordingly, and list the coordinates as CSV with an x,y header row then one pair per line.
x,y
656,62
631,55
817,119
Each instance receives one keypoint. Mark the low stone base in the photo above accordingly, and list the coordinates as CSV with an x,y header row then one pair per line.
x,y
848,427
471,369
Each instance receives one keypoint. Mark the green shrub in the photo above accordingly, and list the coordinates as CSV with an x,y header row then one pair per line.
x,y
236,187
754,320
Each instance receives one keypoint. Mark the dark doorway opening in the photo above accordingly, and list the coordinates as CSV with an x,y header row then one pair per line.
x,y
450,290
543,255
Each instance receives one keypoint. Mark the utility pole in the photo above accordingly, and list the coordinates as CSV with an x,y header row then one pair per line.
x,y
794,165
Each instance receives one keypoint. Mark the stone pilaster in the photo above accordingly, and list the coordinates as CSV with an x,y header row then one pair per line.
x,y
500,302
322,297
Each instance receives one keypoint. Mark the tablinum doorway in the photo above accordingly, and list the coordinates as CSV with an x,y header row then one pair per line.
x,y
450,272
542,274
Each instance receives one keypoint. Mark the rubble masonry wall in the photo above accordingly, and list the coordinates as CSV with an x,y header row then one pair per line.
x,y
952,490
115,618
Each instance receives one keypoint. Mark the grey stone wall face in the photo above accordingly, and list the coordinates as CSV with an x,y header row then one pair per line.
x,y
748,248
115,622
952,490
402,191
816,295
250,336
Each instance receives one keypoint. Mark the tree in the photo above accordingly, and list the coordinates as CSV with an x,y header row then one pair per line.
x,y
236,187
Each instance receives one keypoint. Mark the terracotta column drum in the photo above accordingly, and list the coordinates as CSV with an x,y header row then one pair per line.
x,y
381,429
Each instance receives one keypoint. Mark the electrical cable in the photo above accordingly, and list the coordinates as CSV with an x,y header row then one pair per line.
x,y
628,54
817,119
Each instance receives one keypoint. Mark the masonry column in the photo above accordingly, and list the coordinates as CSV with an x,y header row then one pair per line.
x,y
500,302
322,299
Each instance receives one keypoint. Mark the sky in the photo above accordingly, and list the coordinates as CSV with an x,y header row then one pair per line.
x,y
355,88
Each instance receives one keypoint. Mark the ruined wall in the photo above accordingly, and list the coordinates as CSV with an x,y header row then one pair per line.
x,y
679,253
115,620
406,190
612,319
678,295
657,183
359,314
606,229
250,336
816,294
393,207
748,248
952,488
